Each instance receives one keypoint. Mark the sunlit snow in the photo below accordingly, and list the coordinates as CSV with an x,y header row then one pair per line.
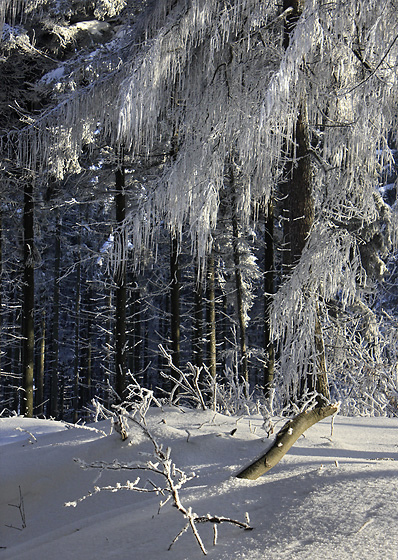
x,y
334,495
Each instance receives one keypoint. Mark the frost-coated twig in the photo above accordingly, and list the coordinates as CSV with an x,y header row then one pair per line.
x,y
112,488
220,519
70,426
33,440
189,383
21,508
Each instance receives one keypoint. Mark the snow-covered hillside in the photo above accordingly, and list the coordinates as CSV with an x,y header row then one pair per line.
x,y
332,496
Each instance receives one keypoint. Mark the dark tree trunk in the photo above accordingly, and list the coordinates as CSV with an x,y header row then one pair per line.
x,y
269,365
136,342
244,369
197,338
76,377
87,372
175,301
163,336
299,198
299,203
299,206
145,354
39,396
225,343
120,279
211,317
53,405
28,301
108,350
15,353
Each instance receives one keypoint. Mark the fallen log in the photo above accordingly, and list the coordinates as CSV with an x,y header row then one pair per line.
x,y
286,438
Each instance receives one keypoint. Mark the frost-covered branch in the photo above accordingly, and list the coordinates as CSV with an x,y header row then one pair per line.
x,y
162,466
186,384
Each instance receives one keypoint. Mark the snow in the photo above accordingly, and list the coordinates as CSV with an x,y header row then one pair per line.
x,y
93,27
334,495
54,75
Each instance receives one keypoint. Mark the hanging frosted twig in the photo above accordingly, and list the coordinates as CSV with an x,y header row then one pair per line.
x,y
374,70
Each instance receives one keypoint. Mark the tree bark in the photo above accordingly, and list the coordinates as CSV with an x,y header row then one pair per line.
x,y
28,300
299,199
53,405
197,330
175,301
39,396
76,378
269,365
87,375
244,370
211,317
108,349
120,279
300,209
285,439
136,327
299,202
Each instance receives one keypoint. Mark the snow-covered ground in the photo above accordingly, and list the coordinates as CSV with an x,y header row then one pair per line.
x,y
332,496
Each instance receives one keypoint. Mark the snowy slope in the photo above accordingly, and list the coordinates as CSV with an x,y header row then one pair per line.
x,y
332,496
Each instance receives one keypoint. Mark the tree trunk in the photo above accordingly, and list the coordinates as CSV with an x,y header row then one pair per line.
x,y
28,301
244,370
145,354
108,349
136,335
39,396
211,317
269,364
300,208
76,378
120,279
299,202
53,405
299,199
164,303
285,439
197,338
175,301
120,340
87,375
15,353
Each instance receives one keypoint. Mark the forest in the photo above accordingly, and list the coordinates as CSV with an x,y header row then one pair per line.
x,y
198,194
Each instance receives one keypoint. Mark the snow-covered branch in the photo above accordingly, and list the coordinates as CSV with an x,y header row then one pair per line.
x,y
162,466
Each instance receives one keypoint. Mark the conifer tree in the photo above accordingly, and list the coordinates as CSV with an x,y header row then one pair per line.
x,y
27,400
307,89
